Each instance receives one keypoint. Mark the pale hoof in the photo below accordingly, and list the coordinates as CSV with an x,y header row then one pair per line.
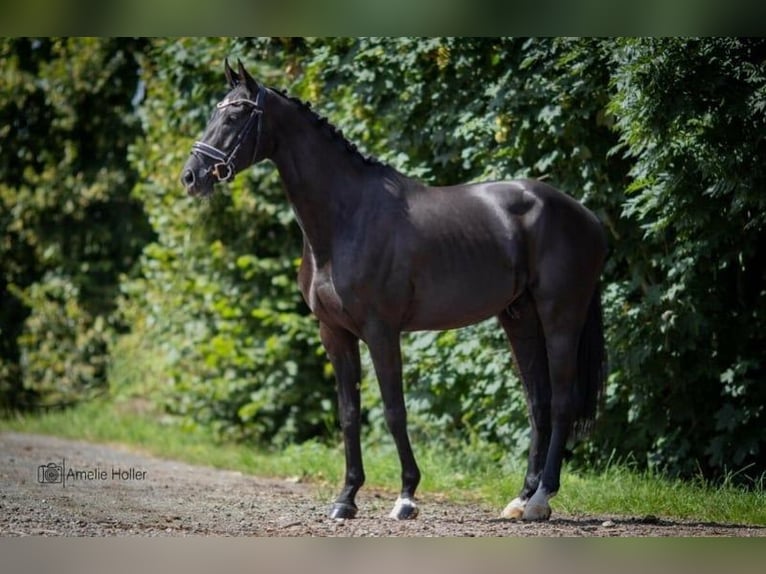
x,y
537,508
404,509
514,510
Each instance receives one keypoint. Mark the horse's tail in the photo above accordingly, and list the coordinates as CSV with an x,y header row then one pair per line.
x,y
591,366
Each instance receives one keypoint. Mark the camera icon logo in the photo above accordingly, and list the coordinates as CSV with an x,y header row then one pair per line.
x,y
51,473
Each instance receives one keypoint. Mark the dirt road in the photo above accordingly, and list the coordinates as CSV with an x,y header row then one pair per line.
x,y
56,487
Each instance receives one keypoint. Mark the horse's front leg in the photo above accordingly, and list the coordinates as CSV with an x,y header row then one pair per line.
x,y
386,356
343,350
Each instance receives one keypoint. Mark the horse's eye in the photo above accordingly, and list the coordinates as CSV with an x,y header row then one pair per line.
x,y
232,114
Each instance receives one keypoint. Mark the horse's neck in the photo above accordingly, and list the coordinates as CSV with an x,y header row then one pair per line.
x,y
322,180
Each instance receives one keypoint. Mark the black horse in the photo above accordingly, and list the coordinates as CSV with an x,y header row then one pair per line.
x,y
383,254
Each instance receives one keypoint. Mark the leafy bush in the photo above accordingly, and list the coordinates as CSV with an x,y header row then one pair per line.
x,y
68,229
688,311
662,139
64,349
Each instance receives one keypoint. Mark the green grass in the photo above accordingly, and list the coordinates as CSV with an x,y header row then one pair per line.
x,y
463,474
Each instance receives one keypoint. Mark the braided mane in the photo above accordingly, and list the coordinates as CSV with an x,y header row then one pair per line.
x,y
334,132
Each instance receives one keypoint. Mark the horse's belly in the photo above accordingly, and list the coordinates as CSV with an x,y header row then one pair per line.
x,y
436,323
452,306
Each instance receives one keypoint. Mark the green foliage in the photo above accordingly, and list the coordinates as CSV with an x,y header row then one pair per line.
x,y
461,391
64,349
68,228
663,139
687,315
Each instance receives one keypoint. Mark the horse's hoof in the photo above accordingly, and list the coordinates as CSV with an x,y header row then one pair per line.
x,y
404,509
342,510
536,513
537,508
514,510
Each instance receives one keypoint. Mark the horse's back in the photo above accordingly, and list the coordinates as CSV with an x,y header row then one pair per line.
x,y
528,209
537,229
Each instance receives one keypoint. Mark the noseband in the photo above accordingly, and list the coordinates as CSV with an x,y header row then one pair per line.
x,y
226,161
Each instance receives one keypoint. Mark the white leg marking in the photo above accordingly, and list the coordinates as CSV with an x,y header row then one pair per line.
x,y
404,509
515,509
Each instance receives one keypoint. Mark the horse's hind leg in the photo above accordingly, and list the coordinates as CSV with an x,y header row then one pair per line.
x,y
561,323
522,326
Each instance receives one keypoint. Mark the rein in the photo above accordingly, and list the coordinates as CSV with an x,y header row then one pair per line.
x,y
226,161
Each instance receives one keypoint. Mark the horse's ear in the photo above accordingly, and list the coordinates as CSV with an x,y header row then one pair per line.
x,y
244,76
231,75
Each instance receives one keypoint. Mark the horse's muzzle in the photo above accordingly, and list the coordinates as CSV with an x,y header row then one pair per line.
x,y
196,180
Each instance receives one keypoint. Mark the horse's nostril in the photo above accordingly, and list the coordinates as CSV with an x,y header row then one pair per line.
x,y
188,178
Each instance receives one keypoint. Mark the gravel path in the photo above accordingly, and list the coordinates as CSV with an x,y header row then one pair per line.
x,y
110,490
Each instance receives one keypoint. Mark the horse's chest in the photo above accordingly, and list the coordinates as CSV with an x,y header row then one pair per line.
x,y
323,296
325,299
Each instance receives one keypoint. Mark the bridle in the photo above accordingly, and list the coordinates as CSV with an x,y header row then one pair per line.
x,y
226,161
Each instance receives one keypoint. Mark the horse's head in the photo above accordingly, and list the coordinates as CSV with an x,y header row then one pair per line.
x,y
231,139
